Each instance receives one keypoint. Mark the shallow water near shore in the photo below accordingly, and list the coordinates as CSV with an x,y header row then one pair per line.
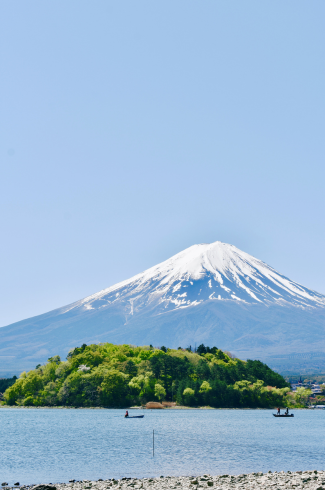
x,y
53,445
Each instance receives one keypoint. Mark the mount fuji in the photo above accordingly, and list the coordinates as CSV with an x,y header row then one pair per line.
x,y
209,293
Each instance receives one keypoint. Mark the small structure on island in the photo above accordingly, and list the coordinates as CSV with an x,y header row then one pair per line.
x,y
152,405
169,404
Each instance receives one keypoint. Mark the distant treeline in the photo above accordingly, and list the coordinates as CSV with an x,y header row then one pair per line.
x,y
6,382
122,375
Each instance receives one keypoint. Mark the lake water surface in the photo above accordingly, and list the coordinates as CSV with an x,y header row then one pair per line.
x,y
55,445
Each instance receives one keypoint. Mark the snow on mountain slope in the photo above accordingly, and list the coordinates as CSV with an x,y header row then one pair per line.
x,y
215,271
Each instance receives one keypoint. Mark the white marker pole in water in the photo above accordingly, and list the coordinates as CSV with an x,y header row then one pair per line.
x,y
153,442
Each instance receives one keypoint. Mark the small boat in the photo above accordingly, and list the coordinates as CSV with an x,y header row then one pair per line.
x,y
276,415
134,417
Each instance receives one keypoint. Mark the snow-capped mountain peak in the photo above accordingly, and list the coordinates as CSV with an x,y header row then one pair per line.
x,y
204,272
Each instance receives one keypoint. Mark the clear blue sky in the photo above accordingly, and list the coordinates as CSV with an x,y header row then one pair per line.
x,y
132,130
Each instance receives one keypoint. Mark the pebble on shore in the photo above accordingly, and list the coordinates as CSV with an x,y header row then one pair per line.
x,y
299,480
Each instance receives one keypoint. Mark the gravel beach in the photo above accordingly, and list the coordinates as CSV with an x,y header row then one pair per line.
x,y
309,480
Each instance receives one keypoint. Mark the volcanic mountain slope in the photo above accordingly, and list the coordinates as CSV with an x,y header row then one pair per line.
x,y
211,293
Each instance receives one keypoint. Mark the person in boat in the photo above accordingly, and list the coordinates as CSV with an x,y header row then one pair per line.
x,y
278,413
126,414
287,411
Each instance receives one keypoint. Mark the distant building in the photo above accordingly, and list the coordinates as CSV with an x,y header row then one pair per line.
x,y
313,386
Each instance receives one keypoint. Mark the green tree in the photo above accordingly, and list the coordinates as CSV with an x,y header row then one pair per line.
x,y
55,359
202,369
189,396
205,387
302,395
205,390
201,349
113,389
141,384
160,391
6,382
130,368
28,401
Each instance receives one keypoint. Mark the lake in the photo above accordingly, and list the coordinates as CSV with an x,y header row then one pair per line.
x,y
55,445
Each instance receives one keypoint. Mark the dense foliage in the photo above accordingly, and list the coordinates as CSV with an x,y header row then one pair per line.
x,y
123,375
6,382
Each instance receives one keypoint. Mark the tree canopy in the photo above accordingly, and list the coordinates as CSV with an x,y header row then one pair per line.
x,y
111,375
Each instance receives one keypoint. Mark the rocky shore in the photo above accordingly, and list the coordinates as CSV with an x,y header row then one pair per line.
x,y
306,480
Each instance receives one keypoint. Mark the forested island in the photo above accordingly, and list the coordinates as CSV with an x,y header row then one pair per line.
x,y
108,375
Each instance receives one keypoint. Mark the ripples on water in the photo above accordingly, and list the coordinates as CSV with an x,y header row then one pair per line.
x,y
55,445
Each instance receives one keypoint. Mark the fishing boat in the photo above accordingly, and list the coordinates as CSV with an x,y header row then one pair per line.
x,y
134,417
276,415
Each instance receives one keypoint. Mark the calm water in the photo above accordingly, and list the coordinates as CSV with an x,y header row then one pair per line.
x,y
51,445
